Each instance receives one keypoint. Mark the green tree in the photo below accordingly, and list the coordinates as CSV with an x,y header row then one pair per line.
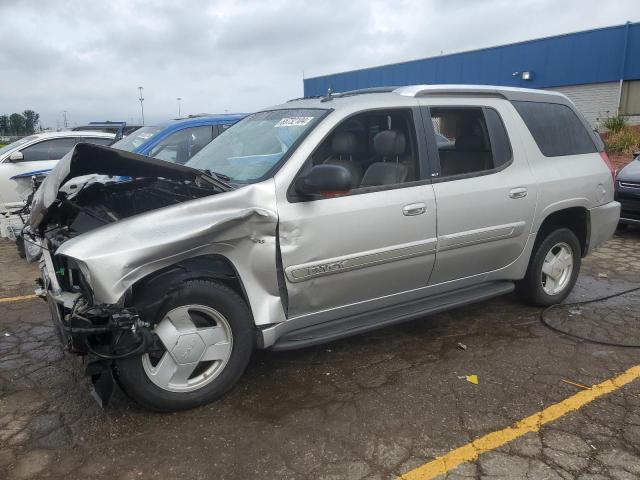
x,y
4,124
17,124
31,120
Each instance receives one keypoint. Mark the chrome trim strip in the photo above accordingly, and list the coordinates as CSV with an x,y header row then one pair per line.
x,y
481,235
300,273
628,185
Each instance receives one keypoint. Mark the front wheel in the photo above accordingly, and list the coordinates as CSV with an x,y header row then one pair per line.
x,y
553,269
207,334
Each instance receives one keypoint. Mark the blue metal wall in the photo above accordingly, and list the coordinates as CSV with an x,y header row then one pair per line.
x,y
592,56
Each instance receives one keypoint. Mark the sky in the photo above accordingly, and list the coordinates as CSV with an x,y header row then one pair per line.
x,y
89,57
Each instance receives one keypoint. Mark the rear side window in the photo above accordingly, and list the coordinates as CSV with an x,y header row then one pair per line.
x,y
48,150
96,140
469,140
556,129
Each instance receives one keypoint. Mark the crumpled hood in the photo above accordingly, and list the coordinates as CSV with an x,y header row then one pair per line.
x,y
87,159
630,173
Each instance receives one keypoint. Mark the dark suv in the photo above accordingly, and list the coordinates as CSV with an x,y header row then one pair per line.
x,y
628,192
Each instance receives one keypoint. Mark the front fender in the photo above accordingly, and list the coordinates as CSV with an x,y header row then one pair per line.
x,y
239,225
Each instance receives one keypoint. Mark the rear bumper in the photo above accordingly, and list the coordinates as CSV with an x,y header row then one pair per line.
x,y
603,223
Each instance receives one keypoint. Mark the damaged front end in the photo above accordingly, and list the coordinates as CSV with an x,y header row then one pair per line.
x,y
108,186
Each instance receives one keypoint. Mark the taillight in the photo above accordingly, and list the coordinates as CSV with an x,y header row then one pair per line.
x,y
605,159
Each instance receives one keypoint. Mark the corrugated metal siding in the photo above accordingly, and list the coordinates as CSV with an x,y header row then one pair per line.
x,y
595,101
594,56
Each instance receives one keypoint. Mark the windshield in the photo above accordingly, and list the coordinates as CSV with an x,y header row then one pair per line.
x,y
135,139
246,152
17,143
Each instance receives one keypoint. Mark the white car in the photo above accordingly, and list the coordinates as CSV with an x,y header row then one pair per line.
x,y
35,154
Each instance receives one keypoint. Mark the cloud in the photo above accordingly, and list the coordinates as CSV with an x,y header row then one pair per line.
x,y
89,57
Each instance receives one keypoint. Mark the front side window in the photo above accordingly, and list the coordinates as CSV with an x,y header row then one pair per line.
x,y
17,143
469,140
250,150
555,128
48,150
378,148
180,146
137,138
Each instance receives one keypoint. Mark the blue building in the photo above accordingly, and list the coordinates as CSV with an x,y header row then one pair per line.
x,y
598,69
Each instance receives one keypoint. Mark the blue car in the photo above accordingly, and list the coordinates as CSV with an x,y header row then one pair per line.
x,y
177,141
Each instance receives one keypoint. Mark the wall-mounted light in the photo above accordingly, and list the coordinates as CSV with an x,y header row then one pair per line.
x,y
527,76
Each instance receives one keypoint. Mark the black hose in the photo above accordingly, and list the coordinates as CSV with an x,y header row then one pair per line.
x,y
105,356
546,323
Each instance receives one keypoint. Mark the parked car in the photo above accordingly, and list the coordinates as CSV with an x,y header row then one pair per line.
x,y
119,129
36,154
177,140
315,220
628,192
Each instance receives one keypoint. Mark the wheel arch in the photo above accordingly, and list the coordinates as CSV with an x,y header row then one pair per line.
x,y
575,218
210,266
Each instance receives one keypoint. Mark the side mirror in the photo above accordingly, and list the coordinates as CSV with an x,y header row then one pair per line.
x,y
16,157
325,180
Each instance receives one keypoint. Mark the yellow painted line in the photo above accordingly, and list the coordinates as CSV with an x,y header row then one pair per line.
x,y
533,423
18,299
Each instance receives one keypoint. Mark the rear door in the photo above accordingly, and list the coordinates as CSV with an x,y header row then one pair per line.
x,y
483,186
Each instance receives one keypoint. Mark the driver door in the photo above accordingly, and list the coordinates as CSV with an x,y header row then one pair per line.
x,y
351,253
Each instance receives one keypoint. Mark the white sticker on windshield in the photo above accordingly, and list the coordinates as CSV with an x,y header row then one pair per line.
x,y
293,121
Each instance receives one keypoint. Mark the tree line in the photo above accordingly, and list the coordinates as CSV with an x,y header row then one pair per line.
x,y
17,124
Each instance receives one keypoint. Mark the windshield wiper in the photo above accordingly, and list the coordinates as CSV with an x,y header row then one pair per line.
x,y
220,177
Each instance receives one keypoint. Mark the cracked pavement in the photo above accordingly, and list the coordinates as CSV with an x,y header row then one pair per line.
x,y
370,407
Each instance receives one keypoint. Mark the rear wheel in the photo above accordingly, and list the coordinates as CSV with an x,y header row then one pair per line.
x,y
207,335
553,269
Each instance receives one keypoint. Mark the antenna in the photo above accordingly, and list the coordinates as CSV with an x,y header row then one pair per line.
x,y
329,96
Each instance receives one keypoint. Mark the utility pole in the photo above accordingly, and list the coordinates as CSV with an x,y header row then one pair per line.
x,y
178,106
141,103
64,116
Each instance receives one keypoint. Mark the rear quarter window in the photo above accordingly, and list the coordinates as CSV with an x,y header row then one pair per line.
x,y
556,129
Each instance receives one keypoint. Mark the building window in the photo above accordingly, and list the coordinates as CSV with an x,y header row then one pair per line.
x,y
630,100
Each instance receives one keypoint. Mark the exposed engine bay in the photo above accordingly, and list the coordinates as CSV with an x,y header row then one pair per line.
x,y
99,203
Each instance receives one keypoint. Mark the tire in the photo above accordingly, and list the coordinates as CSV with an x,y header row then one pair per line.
x,y
537,288
202,300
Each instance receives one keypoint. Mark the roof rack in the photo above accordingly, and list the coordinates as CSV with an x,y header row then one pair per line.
x,y
508,93
349,93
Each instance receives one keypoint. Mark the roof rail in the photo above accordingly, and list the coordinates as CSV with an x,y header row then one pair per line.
x,y
508,93
349,93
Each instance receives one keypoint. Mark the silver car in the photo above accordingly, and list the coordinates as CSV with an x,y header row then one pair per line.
x,y
312,221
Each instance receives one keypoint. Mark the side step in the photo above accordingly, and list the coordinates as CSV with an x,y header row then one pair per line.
x,y
364,322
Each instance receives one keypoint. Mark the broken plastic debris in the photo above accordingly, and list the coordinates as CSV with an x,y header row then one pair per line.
x,y
461,346
7,334
575,311
603,275
472,379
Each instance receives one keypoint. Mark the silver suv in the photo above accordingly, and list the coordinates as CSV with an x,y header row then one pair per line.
x,y
312,221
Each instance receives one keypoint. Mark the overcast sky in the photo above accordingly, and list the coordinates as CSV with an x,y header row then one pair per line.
x,y
89,57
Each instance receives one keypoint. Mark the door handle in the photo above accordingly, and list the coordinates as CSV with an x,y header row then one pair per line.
x,y
414,209
519,192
